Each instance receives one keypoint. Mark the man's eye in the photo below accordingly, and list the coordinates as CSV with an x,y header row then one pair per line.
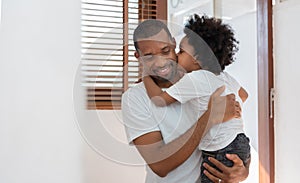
x,y
166,51
147,57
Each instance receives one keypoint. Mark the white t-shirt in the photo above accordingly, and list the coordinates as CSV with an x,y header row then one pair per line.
x,y
141,116
196,88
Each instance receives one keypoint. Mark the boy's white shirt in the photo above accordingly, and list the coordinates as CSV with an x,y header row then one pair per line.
x,y
196,88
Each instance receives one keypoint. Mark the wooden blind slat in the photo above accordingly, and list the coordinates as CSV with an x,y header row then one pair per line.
x,y
95,43
104,21
91,98
105,5
107,48
104,71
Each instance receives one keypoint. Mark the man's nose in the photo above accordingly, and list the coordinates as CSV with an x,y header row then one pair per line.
x,y
160,61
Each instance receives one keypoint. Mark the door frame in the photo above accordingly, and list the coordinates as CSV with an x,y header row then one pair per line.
x,y
265,84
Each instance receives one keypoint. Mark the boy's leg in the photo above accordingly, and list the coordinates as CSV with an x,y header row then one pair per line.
x,y
239,146
219,156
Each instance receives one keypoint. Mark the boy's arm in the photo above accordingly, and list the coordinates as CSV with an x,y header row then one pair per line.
x,y
243,94
158,97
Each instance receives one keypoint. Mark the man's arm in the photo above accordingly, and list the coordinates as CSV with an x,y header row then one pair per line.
x,y
163,158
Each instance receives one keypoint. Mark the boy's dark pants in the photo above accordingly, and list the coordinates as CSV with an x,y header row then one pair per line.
x,y
240,146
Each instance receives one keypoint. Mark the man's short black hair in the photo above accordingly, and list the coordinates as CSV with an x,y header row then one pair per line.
x,y
147,29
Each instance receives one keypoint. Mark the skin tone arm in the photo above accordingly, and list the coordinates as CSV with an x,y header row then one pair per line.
x,y
158,97
163,158
243,94
161,98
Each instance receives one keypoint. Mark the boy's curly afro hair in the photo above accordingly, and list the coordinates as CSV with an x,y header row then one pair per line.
x,y
218,36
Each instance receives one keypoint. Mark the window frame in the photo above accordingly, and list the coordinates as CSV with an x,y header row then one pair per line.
x,y
109,98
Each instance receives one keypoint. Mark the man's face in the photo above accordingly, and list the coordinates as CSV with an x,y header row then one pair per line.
x,y
157,54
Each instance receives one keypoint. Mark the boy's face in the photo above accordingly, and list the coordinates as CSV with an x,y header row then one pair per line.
x,y
157,54
185,56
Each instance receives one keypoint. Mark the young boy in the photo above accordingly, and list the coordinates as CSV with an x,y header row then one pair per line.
x,y
205,62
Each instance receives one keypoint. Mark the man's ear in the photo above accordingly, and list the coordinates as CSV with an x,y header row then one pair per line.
x,y
136,54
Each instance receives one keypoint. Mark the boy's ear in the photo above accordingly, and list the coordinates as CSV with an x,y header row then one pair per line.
x,y
136,54
195,61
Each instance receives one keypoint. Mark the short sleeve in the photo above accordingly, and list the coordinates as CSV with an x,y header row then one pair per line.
x,y
137,117
234,83
191,86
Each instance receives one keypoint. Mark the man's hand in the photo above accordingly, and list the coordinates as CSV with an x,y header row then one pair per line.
x,y
234,174
223,108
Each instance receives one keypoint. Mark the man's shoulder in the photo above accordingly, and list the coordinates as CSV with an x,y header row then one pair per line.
x,y
137,90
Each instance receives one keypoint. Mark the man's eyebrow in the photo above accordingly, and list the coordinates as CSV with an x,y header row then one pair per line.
x,y
146,54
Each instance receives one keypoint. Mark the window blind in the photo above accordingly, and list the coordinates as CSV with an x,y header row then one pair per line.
x,y
108,64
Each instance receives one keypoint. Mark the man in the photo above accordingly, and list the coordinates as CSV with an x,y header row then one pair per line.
x,y
164,136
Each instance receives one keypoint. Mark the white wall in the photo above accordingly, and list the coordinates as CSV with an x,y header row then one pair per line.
x,y
39,53
286,48
106,157
42,136
244,69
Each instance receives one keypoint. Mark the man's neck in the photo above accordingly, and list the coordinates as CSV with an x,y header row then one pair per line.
x,y
164,84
